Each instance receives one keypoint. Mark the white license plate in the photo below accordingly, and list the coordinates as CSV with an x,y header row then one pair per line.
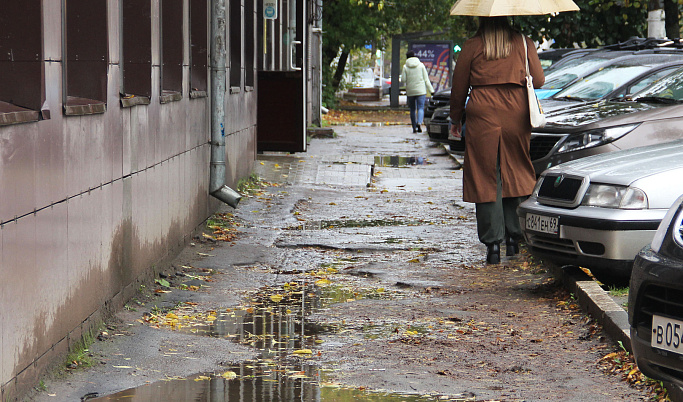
x,y
434,128
541,223
667,334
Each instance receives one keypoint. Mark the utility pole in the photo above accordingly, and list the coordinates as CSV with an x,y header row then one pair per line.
x,y
656,27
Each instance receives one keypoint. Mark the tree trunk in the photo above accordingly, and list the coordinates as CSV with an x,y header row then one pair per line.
x,y
341,66
671,17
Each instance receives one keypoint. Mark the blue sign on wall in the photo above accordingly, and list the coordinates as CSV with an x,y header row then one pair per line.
x,y
270,9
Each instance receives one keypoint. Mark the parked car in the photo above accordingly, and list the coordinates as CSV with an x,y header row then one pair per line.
x,y
551,57
438,99
655,312
651,116
617,80
576,68
598,212
366,78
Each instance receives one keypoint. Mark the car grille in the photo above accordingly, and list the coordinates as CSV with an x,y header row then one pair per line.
x,y
657,300
564,246
541,145
558,187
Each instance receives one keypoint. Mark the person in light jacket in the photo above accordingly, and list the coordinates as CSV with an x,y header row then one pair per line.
x,y
498,174
418,87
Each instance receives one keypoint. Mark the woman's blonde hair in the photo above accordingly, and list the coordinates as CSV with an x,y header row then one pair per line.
x,y
496,33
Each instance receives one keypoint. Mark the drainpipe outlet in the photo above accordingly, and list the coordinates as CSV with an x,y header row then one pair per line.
x,y
228,196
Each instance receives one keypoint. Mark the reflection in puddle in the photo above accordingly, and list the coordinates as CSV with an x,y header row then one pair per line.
x,y
258,381
275,323
400,161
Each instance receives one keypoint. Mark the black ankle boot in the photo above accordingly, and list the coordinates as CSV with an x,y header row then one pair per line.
x,y
492,253
511,247
419,128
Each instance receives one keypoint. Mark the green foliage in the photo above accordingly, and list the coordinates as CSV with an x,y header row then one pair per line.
x,y
598,23
79,356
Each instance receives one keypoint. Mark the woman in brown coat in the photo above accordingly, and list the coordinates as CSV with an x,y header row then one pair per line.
x,y
498,174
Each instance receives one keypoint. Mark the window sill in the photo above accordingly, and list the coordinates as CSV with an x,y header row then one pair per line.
x,y
11,114
198,94
235,90
170,96
133,100
76,106
249,89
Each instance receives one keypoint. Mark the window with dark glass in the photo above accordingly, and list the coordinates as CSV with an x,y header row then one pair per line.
x,y
171,50
235,40
199,48
249,38
136,51
86,57
22,92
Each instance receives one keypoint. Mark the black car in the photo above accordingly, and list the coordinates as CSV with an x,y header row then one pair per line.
x,y
439,99
656,301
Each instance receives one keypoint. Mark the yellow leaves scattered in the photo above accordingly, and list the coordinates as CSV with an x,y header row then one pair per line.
x,y
229,375
276,298
202,378
303,352
323,282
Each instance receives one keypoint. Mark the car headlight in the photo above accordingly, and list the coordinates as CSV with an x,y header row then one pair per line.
x,y
441,114
609,196
594,138
537,188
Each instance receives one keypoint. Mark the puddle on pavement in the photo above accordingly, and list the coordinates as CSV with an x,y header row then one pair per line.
x,y
260,381
276,320
276,323
400,161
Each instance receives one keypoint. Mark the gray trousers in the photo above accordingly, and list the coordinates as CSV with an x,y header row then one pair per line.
x,y
498,219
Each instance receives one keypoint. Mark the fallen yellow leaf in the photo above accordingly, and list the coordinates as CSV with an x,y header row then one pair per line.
x,y
303,352
229,375
323,282
276,298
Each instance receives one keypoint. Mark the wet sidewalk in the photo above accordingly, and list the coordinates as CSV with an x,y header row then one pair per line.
x,y
353,273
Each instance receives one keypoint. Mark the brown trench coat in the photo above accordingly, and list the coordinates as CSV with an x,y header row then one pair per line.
x,y
497,119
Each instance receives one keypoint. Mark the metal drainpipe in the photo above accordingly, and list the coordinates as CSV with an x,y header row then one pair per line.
x,y
217,187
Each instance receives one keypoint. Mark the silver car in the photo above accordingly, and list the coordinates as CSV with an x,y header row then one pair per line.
x,y
599,211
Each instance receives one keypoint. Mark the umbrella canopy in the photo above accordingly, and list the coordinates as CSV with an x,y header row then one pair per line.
x,y
495,8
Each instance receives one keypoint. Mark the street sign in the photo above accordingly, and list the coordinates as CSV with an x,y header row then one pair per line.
x,y
270,9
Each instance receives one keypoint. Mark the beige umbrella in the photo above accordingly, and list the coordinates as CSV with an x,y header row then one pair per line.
x,y
494,8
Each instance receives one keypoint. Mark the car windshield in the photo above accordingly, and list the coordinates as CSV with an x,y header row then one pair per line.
x,y
569,72
669,88
601,83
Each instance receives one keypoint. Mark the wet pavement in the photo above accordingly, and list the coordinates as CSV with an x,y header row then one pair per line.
x,y
352,273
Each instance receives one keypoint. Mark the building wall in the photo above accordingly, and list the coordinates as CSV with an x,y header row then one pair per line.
x,y
91,204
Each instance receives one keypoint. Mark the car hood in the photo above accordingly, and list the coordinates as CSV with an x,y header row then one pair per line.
x,y
553,106
590,113
625,167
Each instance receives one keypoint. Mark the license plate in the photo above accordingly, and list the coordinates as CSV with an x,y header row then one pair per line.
x,y
667,334
543,224
433,128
